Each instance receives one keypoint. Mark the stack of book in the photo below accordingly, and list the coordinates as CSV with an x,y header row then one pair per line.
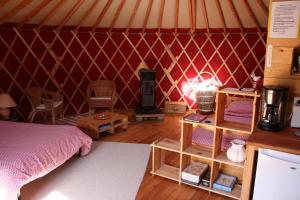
x,y
205,180
224,182
194,117
192,174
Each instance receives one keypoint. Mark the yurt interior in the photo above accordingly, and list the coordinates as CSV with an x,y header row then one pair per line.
x,y
149,99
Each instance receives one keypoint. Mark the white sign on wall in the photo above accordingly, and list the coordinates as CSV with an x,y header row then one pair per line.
x,y
285,19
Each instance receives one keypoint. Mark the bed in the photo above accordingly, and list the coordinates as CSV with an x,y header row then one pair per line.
x,y
238,110
29,151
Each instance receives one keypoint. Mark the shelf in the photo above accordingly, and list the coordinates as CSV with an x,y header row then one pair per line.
x,y
236,192
235,126
167,171
236,91
197,186
209,122
222,158
168,144
199,152
218,160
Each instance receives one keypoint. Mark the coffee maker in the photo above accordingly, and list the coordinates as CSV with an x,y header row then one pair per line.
x,y
274,107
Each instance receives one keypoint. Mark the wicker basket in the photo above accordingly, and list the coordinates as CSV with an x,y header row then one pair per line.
x,y
205,101
206,98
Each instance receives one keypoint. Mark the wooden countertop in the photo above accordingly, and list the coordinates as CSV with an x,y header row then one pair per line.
x,y
285,140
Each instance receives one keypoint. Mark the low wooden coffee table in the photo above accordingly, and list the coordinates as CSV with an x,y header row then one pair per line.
x,y
93,126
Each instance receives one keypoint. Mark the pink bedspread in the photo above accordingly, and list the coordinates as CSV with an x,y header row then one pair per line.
x,y
29,151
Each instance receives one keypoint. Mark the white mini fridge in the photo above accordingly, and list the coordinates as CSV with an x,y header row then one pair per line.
x,y
277,176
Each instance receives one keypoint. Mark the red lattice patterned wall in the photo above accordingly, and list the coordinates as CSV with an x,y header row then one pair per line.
x,y
71,60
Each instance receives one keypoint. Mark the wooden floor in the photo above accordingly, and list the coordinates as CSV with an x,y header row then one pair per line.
x,y
154,187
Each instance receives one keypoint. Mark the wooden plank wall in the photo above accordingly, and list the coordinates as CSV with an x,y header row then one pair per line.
x,y
280,71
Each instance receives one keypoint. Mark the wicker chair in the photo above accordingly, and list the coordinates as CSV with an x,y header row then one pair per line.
x,y
44,102
101,94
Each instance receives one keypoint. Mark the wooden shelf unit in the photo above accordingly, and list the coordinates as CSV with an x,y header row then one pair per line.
x,y
198,186
237,127
159,165
222,158
221,99
214,156
167,171
235,194
208,123
198,152
168,144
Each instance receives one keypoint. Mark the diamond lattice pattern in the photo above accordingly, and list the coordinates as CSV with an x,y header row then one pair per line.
x,y
69,61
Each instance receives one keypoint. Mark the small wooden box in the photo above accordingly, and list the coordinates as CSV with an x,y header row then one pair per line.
x,y
175,107
281,67
282,55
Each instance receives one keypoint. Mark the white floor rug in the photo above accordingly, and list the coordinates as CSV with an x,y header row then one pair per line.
x,y
111,171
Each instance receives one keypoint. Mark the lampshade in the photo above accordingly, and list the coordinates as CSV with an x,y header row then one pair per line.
x,y
6,101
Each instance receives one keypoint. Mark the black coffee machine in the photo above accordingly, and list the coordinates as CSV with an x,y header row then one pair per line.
x,y
274,108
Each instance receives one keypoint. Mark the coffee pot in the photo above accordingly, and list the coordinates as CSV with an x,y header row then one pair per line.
x,y
274,108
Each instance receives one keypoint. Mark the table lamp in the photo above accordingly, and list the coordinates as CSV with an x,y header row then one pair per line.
x,y
6,102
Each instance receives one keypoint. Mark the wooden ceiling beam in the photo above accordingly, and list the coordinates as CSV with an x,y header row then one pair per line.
x,y
133,14
86,14
50,14
149,7
33,13
117,14
221,15
193,7
204,11
14,10
191,14
237,17
194,14
263,7
252,15
101,15
70,14
176,15
161,15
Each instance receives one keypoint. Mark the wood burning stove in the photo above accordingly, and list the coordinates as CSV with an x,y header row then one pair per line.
x,y
147,81
148,94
